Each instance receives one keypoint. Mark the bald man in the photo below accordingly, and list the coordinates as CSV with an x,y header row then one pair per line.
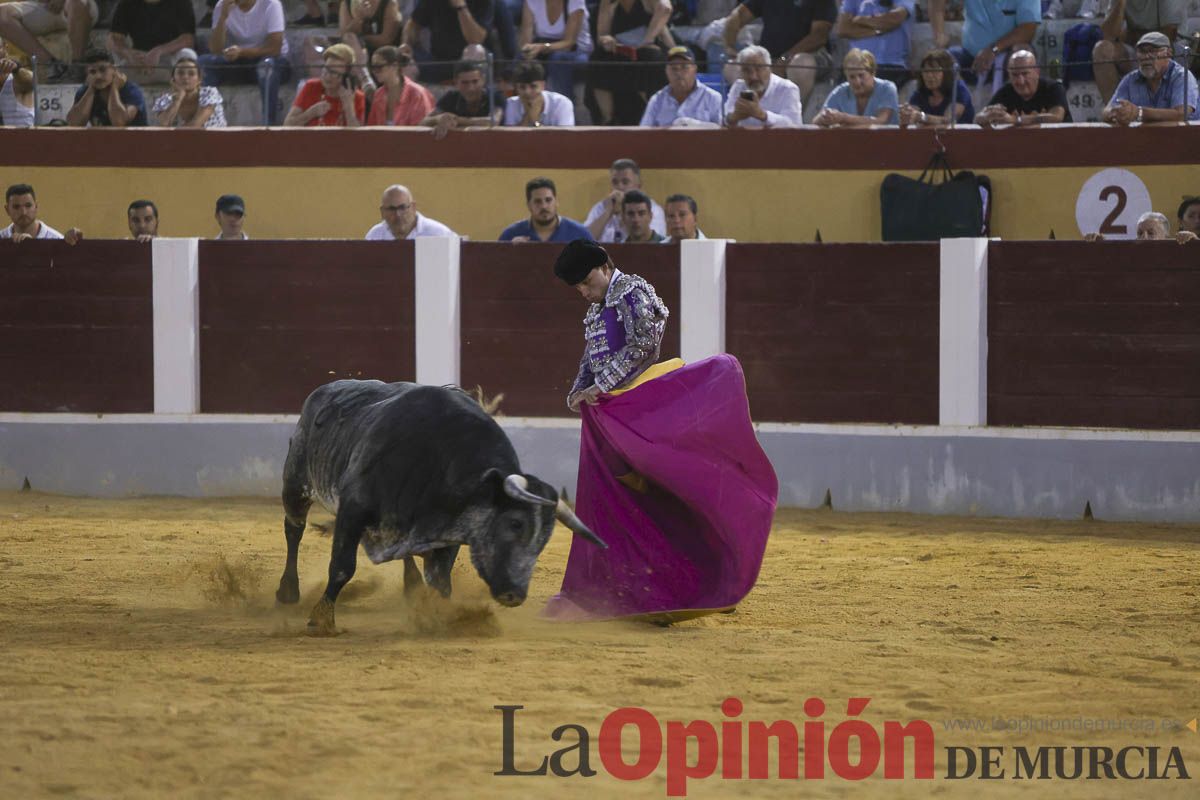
x,y
1027,98
401,220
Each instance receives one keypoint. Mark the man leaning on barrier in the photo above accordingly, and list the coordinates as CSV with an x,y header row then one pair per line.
x,y
761,99
684,100
465,106
20,202
1158,91
1127,20
401,220
1027,98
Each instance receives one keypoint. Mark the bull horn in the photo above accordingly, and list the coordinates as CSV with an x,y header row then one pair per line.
x,y
567,517
516,487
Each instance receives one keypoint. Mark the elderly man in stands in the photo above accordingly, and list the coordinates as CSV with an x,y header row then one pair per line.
x,y
452,25
684,100
1151,226
1027,98
682,220
760,98
26,22
108,98
795,36
145,35
990,30
143,220
401,220
863,100
20,202
534,106
1159,91
467,104
882,28
544,223
604,219
635,214
1127,20
247,46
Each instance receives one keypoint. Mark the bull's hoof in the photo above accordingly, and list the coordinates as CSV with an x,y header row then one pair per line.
x,y
320,621
288,592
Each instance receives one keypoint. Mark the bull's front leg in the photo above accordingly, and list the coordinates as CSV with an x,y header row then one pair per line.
x,y
296,503
347,533
438,564
413,582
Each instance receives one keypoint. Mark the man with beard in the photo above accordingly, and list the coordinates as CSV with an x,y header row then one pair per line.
x,y
107,99
21,204
544,223
759,98
143,220
1158,91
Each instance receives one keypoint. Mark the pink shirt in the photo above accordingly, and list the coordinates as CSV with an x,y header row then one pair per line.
x,y
413,105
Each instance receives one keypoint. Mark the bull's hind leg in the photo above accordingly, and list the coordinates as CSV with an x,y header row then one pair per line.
x,y
296,503
347,534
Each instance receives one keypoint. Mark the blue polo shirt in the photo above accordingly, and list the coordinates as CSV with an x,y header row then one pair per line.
x,y
884,96
891,47
1171,90
985,21
568,230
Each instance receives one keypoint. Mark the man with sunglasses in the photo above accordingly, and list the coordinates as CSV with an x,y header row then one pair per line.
x,y
231,215
401,220
1159,90
107,98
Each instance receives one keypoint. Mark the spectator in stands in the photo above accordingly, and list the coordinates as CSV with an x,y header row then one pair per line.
x,y
534,107
604,220
398,100
682,222
684,100
231,215
1158,91
247,46
452,25
795,35
563,44
544,223
761,99
990,30
107,99
1189,215
401,220
1114,55
1027,98
143,220
883,28
367,25
467,104
1151,226
20,202
188,104
628,31
862,100
332,100
635,215
16,92
930,103
146,35
25,22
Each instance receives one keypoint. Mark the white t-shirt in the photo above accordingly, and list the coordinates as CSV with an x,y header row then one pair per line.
x,y
543,28
557,111
44,232
612,230
12,111
424,227
250,28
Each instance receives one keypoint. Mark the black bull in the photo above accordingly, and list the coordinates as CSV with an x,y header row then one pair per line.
x,y
413,470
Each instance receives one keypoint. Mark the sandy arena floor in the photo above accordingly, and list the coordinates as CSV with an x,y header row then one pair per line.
x,y
143,656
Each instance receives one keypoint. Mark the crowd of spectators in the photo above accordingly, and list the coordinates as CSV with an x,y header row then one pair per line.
x,y
619,59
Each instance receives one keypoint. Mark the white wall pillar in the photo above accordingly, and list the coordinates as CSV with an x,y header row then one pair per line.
x,y
702,298
437,310
962,333
176,298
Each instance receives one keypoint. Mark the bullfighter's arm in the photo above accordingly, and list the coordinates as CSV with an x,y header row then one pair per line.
x,y
583,380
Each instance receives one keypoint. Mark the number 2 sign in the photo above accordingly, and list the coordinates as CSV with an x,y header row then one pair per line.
x,y
1110,203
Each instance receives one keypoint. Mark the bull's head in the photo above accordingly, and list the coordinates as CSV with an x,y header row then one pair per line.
x,y
505,554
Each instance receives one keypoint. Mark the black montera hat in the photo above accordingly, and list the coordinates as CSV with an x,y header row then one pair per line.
x,y
578,259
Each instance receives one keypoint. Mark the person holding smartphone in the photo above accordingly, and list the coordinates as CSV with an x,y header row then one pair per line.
x,y
759,98
331,100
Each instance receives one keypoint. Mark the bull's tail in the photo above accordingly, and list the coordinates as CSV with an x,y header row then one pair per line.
x,y
491,405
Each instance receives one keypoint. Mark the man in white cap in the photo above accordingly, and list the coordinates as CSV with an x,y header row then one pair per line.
x,y
401,220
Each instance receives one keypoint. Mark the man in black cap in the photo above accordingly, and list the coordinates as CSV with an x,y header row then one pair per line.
x,y
622,330
231,214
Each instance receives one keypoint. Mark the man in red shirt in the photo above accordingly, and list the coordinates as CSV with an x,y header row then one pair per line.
x,y
330,100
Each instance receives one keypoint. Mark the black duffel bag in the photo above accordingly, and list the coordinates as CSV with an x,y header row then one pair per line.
x,y
921,210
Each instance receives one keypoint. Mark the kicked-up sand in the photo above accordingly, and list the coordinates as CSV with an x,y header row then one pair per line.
x,y
143,656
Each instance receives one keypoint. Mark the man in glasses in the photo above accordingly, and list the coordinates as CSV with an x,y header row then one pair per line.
x,y
761,99
231,215
1159,90
107,98
401,220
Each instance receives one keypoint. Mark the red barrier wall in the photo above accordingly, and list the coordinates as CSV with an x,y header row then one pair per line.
x,y
836,332
278,319
1093,335
522,331
76,327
